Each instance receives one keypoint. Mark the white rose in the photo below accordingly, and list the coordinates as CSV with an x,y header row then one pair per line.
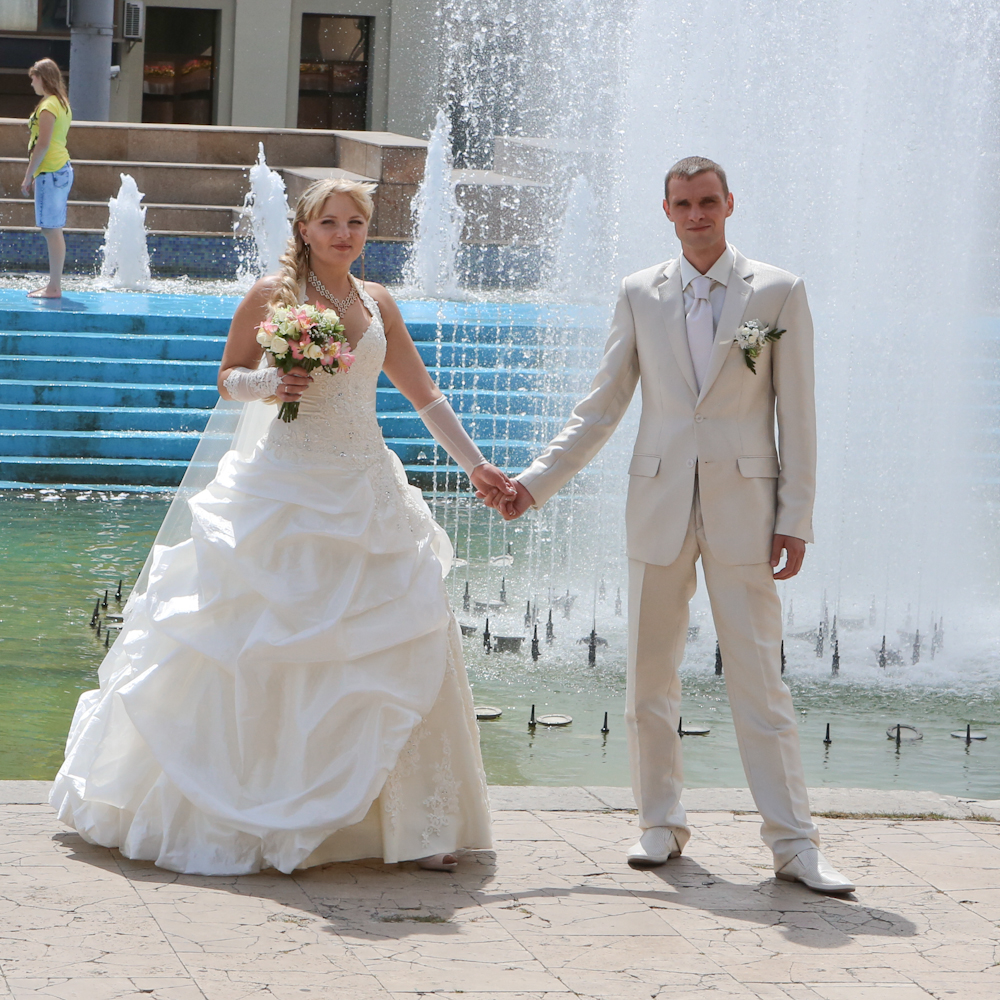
x,y
279,347
264,339
313,351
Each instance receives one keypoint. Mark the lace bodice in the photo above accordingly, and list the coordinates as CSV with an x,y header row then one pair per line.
x,y
337,413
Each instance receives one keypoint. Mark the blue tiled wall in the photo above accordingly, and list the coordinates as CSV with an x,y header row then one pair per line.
x,y
482,265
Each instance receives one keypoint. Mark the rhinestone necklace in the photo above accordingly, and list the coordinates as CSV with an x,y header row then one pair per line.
x,y
341,305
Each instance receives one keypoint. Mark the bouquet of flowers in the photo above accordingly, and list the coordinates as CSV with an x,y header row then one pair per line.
x,y
304,337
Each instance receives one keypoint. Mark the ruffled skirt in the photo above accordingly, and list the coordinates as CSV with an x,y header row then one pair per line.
x,y
289,688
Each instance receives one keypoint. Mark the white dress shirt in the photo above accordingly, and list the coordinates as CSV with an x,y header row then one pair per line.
x,y
719,272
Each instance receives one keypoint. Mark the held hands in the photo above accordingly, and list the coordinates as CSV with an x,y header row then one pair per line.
x,y
795,550
511,505
492,486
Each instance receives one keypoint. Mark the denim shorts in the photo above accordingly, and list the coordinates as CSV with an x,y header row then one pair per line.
x,y
51,195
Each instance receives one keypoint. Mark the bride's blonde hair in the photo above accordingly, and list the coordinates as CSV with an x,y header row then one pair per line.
x,y
295,260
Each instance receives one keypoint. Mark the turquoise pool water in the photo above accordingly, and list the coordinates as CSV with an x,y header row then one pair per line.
x,y
61,550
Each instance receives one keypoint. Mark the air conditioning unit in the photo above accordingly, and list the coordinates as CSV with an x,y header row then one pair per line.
x,y
133,20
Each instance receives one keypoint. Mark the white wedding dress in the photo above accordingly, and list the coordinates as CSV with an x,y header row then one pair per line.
x,y
288,689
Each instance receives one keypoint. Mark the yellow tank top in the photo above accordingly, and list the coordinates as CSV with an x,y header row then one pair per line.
x,y
57,155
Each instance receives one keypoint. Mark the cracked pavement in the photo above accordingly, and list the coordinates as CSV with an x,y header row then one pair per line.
x,y
553,912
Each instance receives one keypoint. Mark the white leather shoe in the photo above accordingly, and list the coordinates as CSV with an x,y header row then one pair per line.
x,y
813,870
656,846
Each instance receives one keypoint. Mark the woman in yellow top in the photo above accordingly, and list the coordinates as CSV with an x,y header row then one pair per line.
x,y
49,169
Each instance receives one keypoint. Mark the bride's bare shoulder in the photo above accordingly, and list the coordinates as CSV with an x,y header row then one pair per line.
x,y
378,292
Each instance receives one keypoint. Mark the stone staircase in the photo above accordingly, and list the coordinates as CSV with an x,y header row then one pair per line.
x,y
108,389
194,177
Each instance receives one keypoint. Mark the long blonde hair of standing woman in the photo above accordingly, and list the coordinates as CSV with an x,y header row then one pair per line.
x,y
52,80
294,262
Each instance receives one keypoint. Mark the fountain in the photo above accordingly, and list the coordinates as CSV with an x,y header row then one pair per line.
x,y
838,177
266,206
125,257
579,272
859,141
438,220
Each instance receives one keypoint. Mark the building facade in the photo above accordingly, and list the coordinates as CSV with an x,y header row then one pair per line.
x,y
340,64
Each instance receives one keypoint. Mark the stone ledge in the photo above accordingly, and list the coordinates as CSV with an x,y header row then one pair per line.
x,y
598,798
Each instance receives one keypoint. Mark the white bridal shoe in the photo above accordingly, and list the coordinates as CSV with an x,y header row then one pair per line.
x,y
656,846
813,870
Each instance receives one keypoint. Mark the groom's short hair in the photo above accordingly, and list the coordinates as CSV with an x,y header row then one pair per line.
x,y
691,166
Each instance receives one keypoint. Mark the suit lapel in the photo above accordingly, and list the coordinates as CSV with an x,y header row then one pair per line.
x,y
672,303
738,293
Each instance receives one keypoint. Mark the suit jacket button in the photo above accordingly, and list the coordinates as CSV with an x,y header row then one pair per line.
x,y
690,463
698,418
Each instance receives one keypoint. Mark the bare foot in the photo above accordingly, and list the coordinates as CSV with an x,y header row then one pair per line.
x,y
48,292
438,863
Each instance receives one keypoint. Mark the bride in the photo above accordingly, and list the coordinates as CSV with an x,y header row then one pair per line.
x,y
288,686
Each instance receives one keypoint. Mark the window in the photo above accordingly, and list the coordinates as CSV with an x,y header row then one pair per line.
x,y
178,80
333,71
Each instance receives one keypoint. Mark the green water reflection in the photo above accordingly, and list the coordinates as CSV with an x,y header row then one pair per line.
x,y
60,551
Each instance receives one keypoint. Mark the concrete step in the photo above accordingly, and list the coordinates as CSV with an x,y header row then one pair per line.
x,y
110,369
488,402
20,212
44,392
184,143
84,471
109,418
179,446
162,183
481,426
502,453
62,318
395,424
176,446
88,344
57,343
475,380
95,395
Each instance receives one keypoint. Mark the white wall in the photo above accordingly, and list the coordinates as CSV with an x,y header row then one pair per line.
x,y
414,68
260,63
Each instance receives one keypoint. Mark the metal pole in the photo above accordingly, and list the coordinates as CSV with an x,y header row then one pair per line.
x,y
91,30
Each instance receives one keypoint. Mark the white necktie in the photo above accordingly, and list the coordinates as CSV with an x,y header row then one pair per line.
x,y
700,328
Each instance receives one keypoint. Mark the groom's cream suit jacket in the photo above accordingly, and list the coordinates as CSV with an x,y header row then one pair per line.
x,y
751,483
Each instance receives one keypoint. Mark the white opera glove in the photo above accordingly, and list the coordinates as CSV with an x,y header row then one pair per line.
x,y
245,384
448,431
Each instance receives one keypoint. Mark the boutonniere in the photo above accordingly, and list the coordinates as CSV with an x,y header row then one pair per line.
x,y
751,337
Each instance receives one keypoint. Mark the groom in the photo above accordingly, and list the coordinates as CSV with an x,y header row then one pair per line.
x,y
707,480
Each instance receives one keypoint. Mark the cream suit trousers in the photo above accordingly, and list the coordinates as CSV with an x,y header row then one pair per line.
x,y
747,616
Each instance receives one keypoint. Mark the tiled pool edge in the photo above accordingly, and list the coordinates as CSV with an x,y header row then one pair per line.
x,y
600,798
197,255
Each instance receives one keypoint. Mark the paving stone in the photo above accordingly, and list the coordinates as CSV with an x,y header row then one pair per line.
x,y
552,912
